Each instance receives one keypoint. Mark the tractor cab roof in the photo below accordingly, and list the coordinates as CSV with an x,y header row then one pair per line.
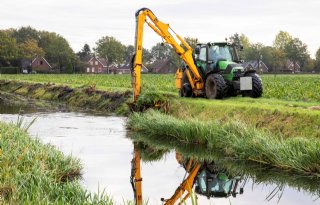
x,y
215,44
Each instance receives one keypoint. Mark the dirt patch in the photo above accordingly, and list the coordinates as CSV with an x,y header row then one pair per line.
x,y
5,192
314,108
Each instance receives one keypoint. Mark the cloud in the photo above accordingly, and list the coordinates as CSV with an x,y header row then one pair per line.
x,y
82,21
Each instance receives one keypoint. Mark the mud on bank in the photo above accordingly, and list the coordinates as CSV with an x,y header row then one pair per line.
x,y
84,97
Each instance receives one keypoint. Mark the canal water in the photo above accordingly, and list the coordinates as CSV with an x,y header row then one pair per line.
x,y
102,145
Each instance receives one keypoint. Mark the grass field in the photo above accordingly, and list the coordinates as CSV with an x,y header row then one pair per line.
x,y
285,87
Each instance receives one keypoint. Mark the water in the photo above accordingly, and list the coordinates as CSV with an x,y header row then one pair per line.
x,y
106,152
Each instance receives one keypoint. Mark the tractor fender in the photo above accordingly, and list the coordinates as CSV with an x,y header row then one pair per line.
x,y
249,71
212,72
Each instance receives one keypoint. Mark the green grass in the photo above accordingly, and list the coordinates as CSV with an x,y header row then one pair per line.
x,y
288,118
33,173
233,139
284,87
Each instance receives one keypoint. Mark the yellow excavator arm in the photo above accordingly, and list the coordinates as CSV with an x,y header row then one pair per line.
x,y
145,15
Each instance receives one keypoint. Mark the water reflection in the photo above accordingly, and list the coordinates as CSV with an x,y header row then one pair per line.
x,y
212,176
204,178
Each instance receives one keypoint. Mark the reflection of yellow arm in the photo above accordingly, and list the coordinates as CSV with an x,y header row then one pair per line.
x,y
162,30
185,186
136,179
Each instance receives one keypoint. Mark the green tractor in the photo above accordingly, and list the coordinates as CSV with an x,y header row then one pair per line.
x,y
219,66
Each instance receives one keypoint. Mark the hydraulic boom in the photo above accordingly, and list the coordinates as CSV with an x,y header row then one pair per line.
x,y
145,15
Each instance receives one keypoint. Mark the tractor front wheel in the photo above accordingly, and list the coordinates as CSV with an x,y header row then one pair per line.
x,y
215,87
257,89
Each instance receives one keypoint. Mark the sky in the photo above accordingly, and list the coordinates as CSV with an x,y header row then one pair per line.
x,y
84,21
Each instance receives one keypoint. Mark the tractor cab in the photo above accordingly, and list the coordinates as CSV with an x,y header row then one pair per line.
x,y
219,57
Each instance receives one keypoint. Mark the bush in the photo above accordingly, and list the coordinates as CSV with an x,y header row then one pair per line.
x,y
9,70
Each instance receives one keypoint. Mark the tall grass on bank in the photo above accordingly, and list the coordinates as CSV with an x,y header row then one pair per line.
x,y
234,140
33,173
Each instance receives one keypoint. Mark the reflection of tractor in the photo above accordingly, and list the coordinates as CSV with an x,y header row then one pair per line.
x,y
215,183
211,71
208,180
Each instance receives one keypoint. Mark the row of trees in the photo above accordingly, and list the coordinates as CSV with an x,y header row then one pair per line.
x,y
26,43
112,49
284,48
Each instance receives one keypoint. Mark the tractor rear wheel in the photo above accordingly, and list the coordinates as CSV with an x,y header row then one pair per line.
x,y
186,90
257,89
215,87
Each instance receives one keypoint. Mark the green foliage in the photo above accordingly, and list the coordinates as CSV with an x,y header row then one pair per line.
x,y
110,48
161,51
69,68
9,70
282,40
30,49
191,41
8,48
57,49
85,51
25,34
296,51
317,61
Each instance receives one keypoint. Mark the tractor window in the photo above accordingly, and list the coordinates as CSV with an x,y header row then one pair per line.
x,y
219,52
203,54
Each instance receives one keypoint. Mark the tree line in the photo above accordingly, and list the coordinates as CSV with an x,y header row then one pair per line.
x,y
285,48
27,43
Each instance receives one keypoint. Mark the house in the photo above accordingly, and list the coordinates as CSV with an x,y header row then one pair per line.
x,y
292,67
40,64
125,69
259,66
144,69
163,66
97,65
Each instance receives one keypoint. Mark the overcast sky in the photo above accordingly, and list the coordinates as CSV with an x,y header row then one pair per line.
x,y
84,21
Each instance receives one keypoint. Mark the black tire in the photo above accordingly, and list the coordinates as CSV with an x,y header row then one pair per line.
x,y
231,92
257,88
186,90
215,86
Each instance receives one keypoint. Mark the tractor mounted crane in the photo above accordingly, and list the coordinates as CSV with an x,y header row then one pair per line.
x,y
212,71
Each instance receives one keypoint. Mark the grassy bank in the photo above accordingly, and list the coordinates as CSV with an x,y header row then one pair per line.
x,y
290,119
33,173
234,140
83,97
